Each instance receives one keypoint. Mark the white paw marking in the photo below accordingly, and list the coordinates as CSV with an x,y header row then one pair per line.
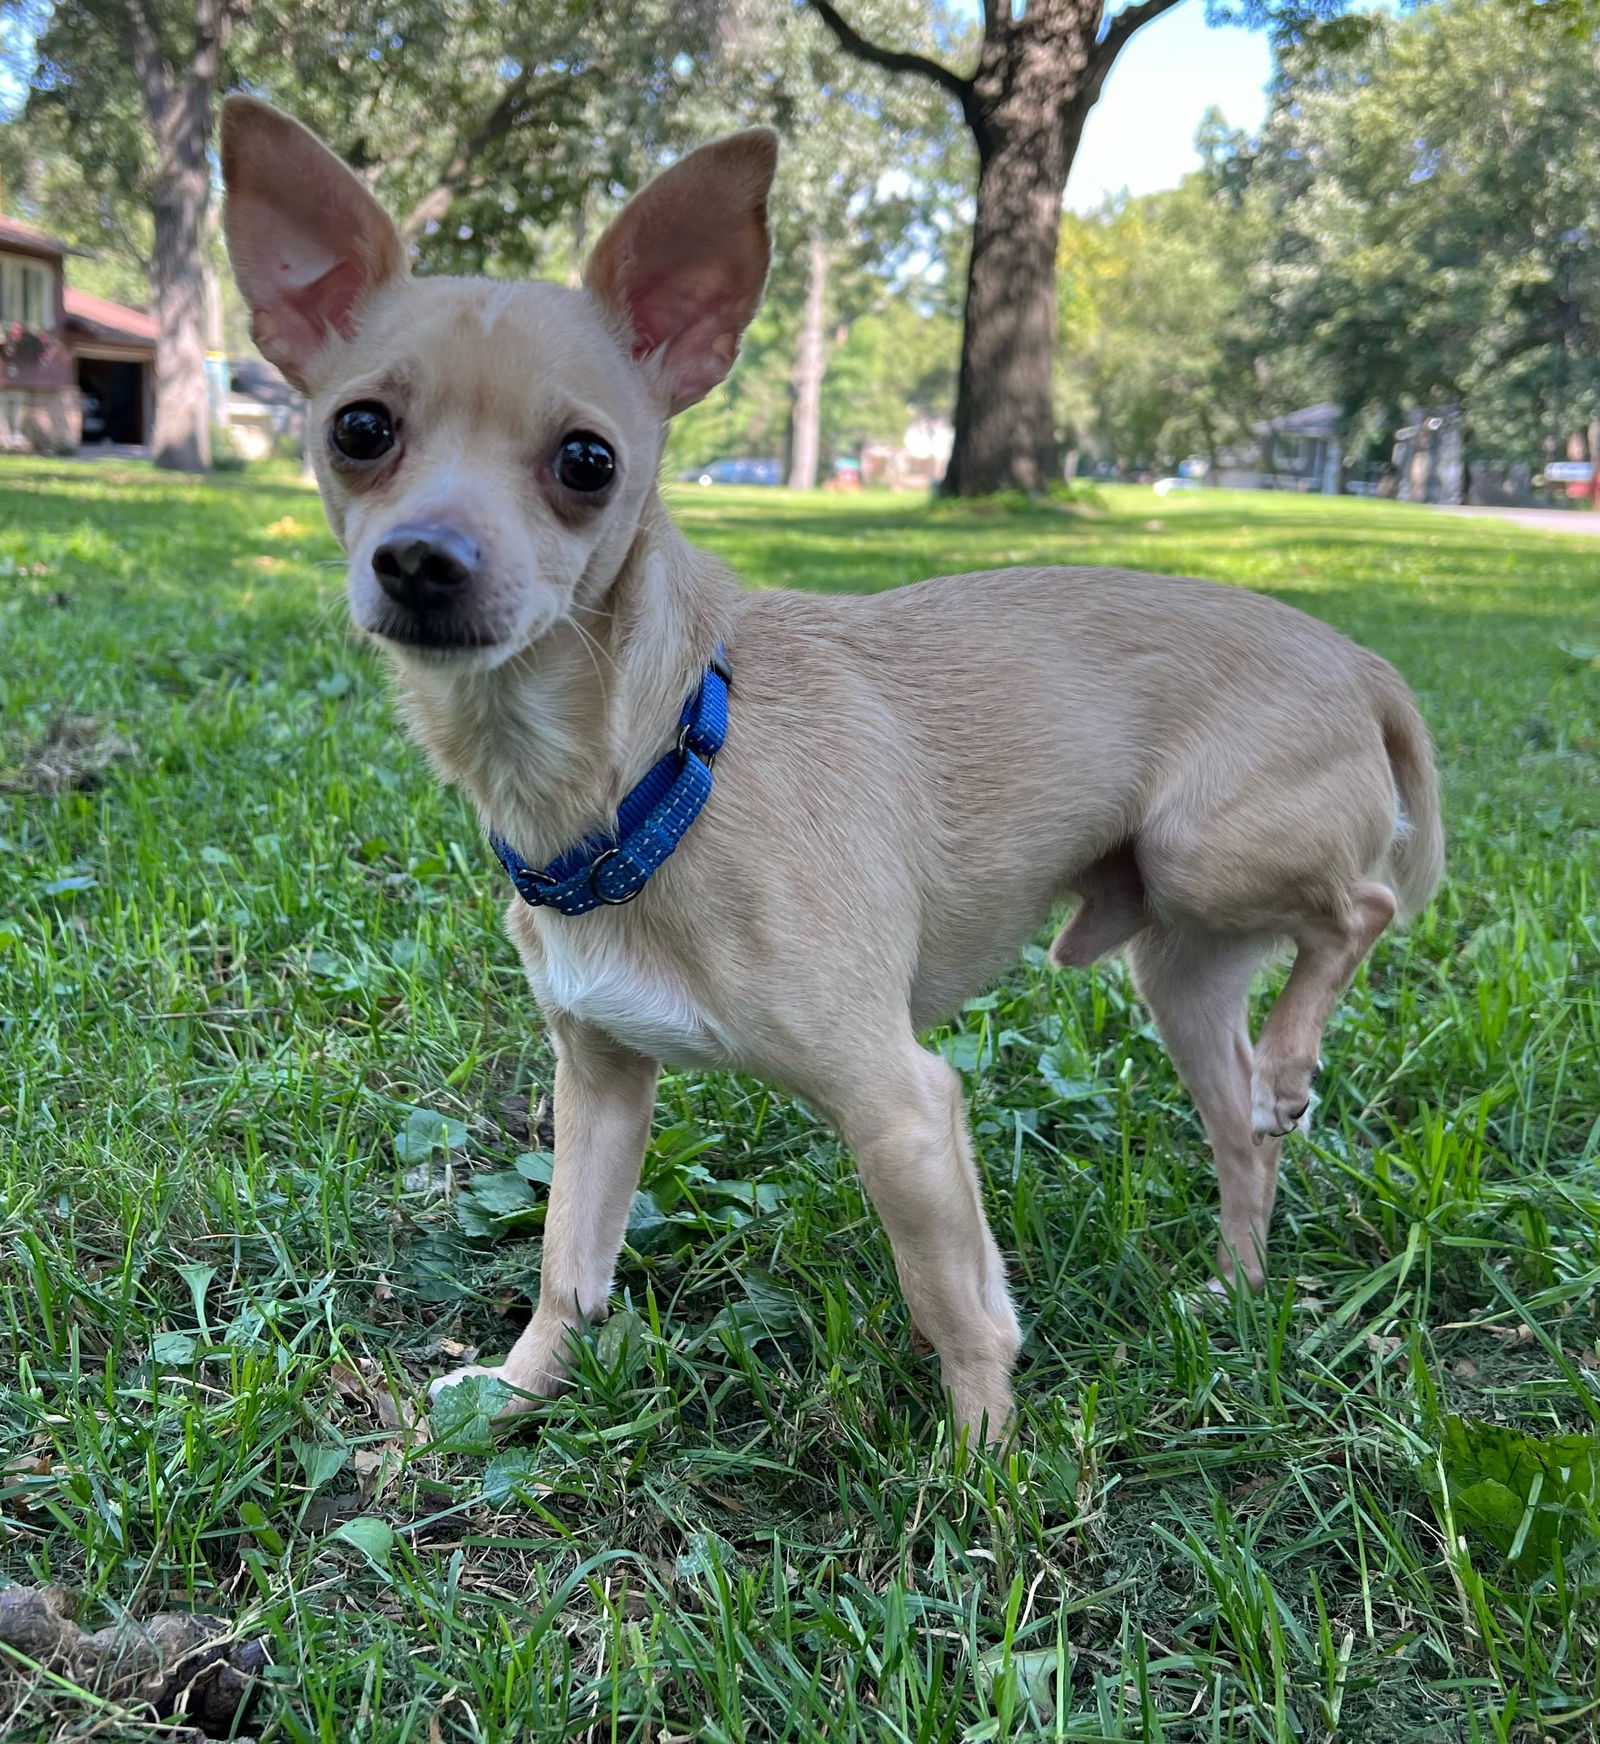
x,y
456,1376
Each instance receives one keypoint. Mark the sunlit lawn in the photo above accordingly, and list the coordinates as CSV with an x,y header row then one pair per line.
x,y
239,957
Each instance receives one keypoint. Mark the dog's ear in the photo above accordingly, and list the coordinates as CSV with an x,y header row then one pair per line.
x,y
306,239
683,264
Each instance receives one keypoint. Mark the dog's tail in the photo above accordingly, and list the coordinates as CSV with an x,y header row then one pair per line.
x,y
1415,861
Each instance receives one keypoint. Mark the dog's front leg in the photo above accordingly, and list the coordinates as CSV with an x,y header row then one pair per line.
x,y
603,1101
907,1124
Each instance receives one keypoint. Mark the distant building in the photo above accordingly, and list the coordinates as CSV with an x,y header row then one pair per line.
x,y
916,462
1298,452
76,367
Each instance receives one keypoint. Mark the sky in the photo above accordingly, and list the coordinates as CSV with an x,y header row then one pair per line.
x,y
1140,135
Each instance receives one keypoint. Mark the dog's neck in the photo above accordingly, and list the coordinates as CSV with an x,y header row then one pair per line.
x,y
547,744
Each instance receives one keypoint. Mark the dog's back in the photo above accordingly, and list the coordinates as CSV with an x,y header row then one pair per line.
x,y
1253,759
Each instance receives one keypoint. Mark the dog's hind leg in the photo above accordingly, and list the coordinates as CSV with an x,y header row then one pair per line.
x,y
1329,950
1196,984
604,1096
906,1121
1111,911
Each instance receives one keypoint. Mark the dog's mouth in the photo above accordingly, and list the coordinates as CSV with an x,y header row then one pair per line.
x,y
435,632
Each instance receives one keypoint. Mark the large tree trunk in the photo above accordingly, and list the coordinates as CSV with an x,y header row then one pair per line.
x,y
182,437
179,99
1005,435
810,364
1041,68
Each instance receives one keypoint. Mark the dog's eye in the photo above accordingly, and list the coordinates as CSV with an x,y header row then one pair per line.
x,y
584,462
363,431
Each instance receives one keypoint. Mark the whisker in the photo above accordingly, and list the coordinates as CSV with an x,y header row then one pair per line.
x,y
597,651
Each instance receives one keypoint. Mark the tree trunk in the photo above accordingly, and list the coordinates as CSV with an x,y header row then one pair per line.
x,y
216,324
1041,68
179,100
810,364
182,437
1005,416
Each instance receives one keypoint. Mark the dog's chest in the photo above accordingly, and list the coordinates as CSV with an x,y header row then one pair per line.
x,y
589,972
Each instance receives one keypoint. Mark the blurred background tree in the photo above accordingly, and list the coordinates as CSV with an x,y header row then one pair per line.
x,y
1415,225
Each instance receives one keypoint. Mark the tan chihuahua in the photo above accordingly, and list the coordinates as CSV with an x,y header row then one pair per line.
x,y
911,781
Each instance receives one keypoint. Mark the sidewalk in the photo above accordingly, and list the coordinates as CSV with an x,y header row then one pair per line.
x,y
1544,520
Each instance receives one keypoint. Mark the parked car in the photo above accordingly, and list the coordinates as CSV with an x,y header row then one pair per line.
x,y
737,472
94,416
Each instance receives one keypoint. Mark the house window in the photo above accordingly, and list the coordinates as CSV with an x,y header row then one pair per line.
x,y
25,293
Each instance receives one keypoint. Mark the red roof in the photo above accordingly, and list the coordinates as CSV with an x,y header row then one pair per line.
x,y
101,319
20,235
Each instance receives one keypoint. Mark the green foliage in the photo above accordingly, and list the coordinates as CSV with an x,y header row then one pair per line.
x,y
76,160
874,169
484,127
1162,359
894,364
234,961
1536,1500
1435,190
1418,224
502,138
426,1132
490,131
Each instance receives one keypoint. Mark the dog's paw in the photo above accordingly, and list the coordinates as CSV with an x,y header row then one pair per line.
x,y
1211,1298
1277,1109
517,1400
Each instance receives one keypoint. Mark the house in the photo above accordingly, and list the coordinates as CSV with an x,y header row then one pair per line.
x,y
39,393
259,407
77,368
917,462
1298,452
115,353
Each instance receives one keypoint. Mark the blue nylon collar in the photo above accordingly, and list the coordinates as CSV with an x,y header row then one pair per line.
x,y
613,867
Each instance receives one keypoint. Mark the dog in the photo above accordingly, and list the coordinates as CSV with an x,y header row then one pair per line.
x,y
839,816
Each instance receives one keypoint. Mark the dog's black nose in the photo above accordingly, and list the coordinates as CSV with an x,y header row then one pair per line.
x,y
425,565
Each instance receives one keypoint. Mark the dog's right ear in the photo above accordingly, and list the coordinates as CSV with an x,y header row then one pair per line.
x,y
306,239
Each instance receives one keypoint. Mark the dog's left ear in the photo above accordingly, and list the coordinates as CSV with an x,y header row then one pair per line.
x,y
683,264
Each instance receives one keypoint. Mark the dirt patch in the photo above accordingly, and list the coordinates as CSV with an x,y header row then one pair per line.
x,y
71,755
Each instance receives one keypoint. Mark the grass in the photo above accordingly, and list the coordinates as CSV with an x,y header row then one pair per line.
x,y
235,968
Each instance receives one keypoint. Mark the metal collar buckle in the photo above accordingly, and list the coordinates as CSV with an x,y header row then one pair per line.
x,y
594,886
685,749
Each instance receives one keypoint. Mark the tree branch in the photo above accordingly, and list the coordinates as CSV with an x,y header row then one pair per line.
x,y
213,19
1116,39
896,61
510,111
151,66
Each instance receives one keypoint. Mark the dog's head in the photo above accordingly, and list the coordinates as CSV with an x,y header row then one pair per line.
x,y
485,449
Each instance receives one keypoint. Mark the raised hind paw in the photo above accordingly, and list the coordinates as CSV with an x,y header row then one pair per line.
x,y
1280,1101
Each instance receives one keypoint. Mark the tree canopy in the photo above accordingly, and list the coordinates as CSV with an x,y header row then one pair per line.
x,y
1416,225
